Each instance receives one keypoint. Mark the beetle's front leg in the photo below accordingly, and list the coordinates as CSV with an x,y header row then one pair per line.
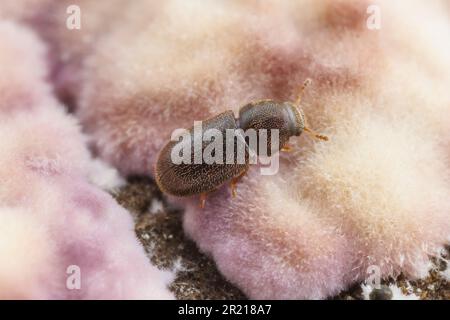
x,y
202,200
234,182
286,148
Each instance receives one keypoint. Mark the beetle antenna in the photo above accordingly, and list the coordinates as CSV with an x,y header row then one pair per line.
x,y
315,134
305,85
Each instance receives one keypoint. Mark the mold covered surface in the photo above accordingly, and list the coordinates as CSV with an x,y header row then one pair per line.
x,y
375,194
159,228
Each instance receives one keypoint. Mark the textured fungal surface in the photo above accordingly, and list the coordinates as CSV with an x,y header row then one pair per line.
x,y
53,221
159,228
375,195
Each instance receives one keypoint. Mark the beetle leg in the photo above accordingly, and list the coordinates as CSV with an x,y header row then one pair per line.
x,y
233,188
302,89
286,148
202,200
234,182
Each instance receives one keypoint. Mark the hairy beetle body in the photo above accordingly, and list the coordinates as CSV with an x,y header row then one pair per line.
x,y
191,179
186,179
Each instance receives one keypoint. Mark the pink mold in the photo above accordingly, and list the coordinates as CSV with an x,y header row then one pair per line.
x,y
51,217
375,194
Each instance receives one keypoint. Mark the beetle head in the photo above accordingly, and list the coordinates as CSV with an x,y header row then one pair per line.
x,y
298,124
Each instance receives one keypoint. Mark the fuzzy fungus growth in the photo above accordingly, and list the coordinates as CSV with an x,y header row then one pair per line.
x,y
51,217
375,194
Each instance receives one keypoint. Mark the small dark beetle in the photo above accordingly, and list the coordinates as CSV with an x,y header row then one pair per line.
x,y
187,179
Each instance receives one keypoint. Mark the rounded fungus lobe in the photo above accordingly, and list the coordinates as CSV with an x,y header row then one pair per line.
x,y
25,252
51,217
269,242
388,185
22,80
